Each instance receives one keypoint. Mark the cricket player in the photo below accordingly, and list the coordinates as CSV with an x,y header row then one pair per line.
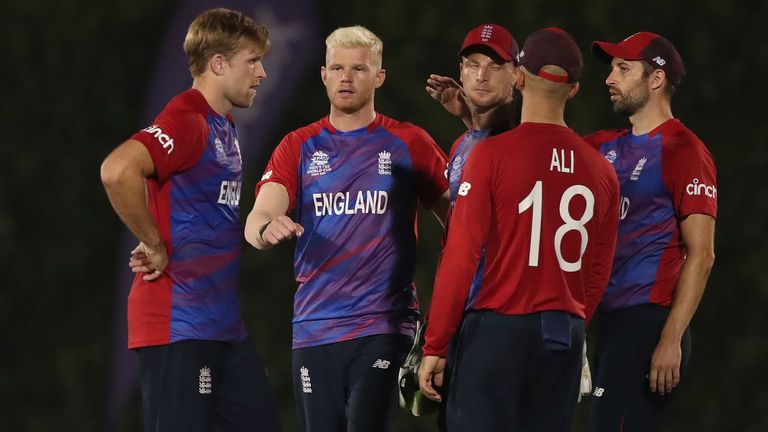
x,y
198,369
348,186
665,247
544,205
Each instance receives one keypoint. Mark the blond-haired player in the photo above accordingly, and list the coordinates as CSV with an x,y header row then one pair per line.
x,y
348,186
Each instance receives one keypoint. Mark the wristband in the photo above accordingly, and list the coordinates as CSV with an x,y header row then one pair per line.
x,y
262,229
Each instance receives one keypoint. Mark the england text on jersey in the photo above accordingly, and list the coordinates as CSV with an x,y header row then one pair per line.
x,y
341,203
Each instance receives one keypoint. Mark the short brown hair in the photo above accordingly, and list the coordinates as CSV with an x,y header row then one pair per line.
x,y
221,31
669,88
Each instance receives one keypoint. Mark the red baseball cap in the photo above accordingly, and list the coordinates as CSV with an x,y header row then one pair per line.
x,y
493,36
650,47
552,46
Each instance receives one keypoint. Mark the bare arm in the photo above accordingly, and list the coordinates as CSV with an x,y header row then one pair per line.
x,y
123,173
698,232
267,225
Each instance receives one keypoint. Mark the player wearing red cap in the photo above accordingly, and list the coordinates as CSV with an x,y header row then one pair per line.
x,y
545,208
487,100
487,74
665,247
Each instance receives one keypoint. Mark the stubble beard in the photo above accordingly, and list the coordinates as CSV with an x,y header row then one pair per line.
x,y
632,101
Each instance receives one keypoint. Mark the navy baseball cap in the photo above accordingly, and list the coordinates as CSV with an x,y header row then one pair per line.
x,y
493,36
552,46
649,47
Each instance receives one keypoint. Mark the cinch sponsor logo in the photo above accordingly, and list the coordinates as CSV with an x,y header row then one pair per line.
x,y
695,188
229,193
162,138
340,203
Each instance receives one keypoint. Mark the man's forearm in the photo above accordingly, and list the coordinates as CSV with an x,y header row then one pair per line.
x,y
690,289
126,192
254,227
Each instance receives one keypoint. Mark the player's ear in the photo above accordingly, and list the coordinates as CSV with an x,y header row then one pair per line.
x,y
519,79
575,89
514,76
381,75
657,79
323,75
216,64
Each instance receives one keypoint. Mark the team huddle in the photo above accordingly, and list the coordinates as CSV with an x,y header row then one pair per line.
x,y
544,230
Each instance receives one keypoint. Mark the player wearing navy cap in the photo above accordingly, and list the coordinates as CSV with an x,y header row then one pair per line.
x,y
665,248
545,208
198,370
352,182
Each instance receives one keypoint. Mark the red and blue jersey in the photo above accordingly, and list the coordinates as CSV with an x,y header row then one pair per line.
x,y
544,207
194,200
665,175
456,160
356,194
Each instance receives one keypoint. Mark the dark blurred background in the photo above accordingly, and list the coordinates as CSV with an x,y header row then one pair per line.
x,y
76,78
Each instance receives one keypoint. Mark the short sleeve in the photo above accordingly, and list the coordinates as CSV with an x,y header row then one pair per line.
x,y
596,139
429,164
691,177
283,168
175,143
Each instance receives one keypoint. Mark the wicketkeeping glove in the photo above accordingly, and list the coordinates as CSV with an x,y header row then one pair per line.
x,y
410,395
585,386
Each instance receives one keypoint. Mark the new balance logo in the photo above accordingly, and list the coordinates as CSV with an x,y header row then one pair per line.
x,y
464,189
306,383
205,382
598,392
381,364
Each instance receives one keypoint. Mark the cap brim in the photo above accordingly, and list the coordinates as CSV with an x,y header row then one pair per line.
x,y
493,47
607,51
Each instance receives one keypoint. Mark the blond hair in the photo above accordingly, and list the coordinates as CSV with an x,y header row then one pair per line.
x,y
222,31
356,37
